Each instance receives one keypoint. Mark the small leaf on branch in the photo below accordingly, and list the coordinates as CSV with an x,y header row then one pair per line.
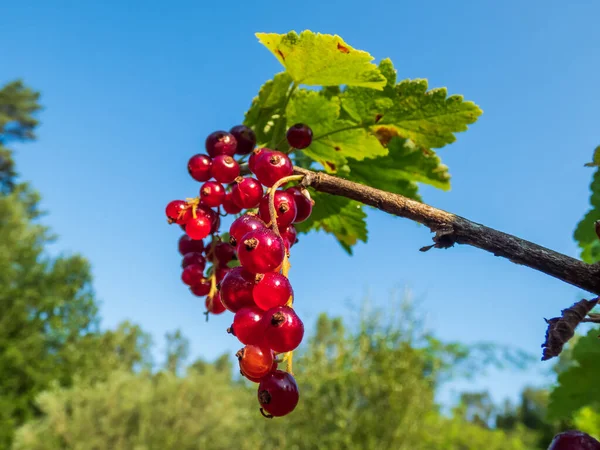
x,y
342,217
596,160
317,59
585,233
561,329
269,102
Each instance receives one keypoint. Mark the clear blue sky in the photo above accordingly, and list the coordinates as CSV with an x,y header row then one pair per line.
x,y
131,89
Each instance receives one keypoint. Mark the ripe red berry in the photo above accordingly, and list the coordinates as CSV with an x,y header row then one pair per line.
x,y
220,143
224,169
212,215
221,272
248,326
192,274
261,251
574,440
257,380
224,252
199,227
304,203
255,361
245,137
212,193
229,206
271,290
278,393
299,136
199,167
256,153
289,236
285,207
187,245
272,167
214,305
202,288
246,192
193,258
284,330
236,289
242,225
178,212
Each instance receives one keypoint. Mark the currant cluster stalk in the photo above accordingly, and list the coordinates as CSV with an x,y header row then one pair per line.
x,y
247,270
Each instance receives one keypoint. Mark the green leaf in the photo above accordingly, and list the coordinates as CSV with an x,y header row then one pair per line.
x,y
578,385
342,217
344,139
428,118
585,233
397,172
267,105
322,60
234,263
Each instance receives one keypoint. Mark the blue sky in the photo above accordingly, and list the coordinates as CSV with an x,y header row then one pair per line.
x,y
131,89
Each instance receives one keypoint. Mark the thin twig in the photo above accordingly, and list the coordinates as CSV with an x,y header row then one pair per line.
x,y
451,229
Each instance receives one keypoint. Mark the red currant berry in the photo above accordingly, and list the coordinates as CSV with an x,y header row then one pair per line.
x,y
269,168
271,290
255,361
212,215
284,329
178,212
193,258
202,288
225,169
199,227
221,272
242,225
192,274
246,192
285,207
278,393
229,206
257,380
261,251
304,203
212,193
289,236
256,153
236,289
199,167
187,245
574,440
214,305
299,136
248,326
220,143
245,137
224,252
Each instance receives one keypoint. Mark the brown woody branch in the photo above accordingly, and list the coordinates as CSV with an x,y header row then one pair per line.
x,y
451,229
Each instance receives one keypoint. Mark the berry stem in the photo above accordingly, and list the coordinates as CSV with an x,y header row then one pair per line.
x,y
272,210
193,203
213,274
279,128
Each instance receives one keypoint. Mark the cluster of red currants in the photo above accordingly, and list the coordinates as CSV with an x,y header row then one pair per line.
x,y
256,289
